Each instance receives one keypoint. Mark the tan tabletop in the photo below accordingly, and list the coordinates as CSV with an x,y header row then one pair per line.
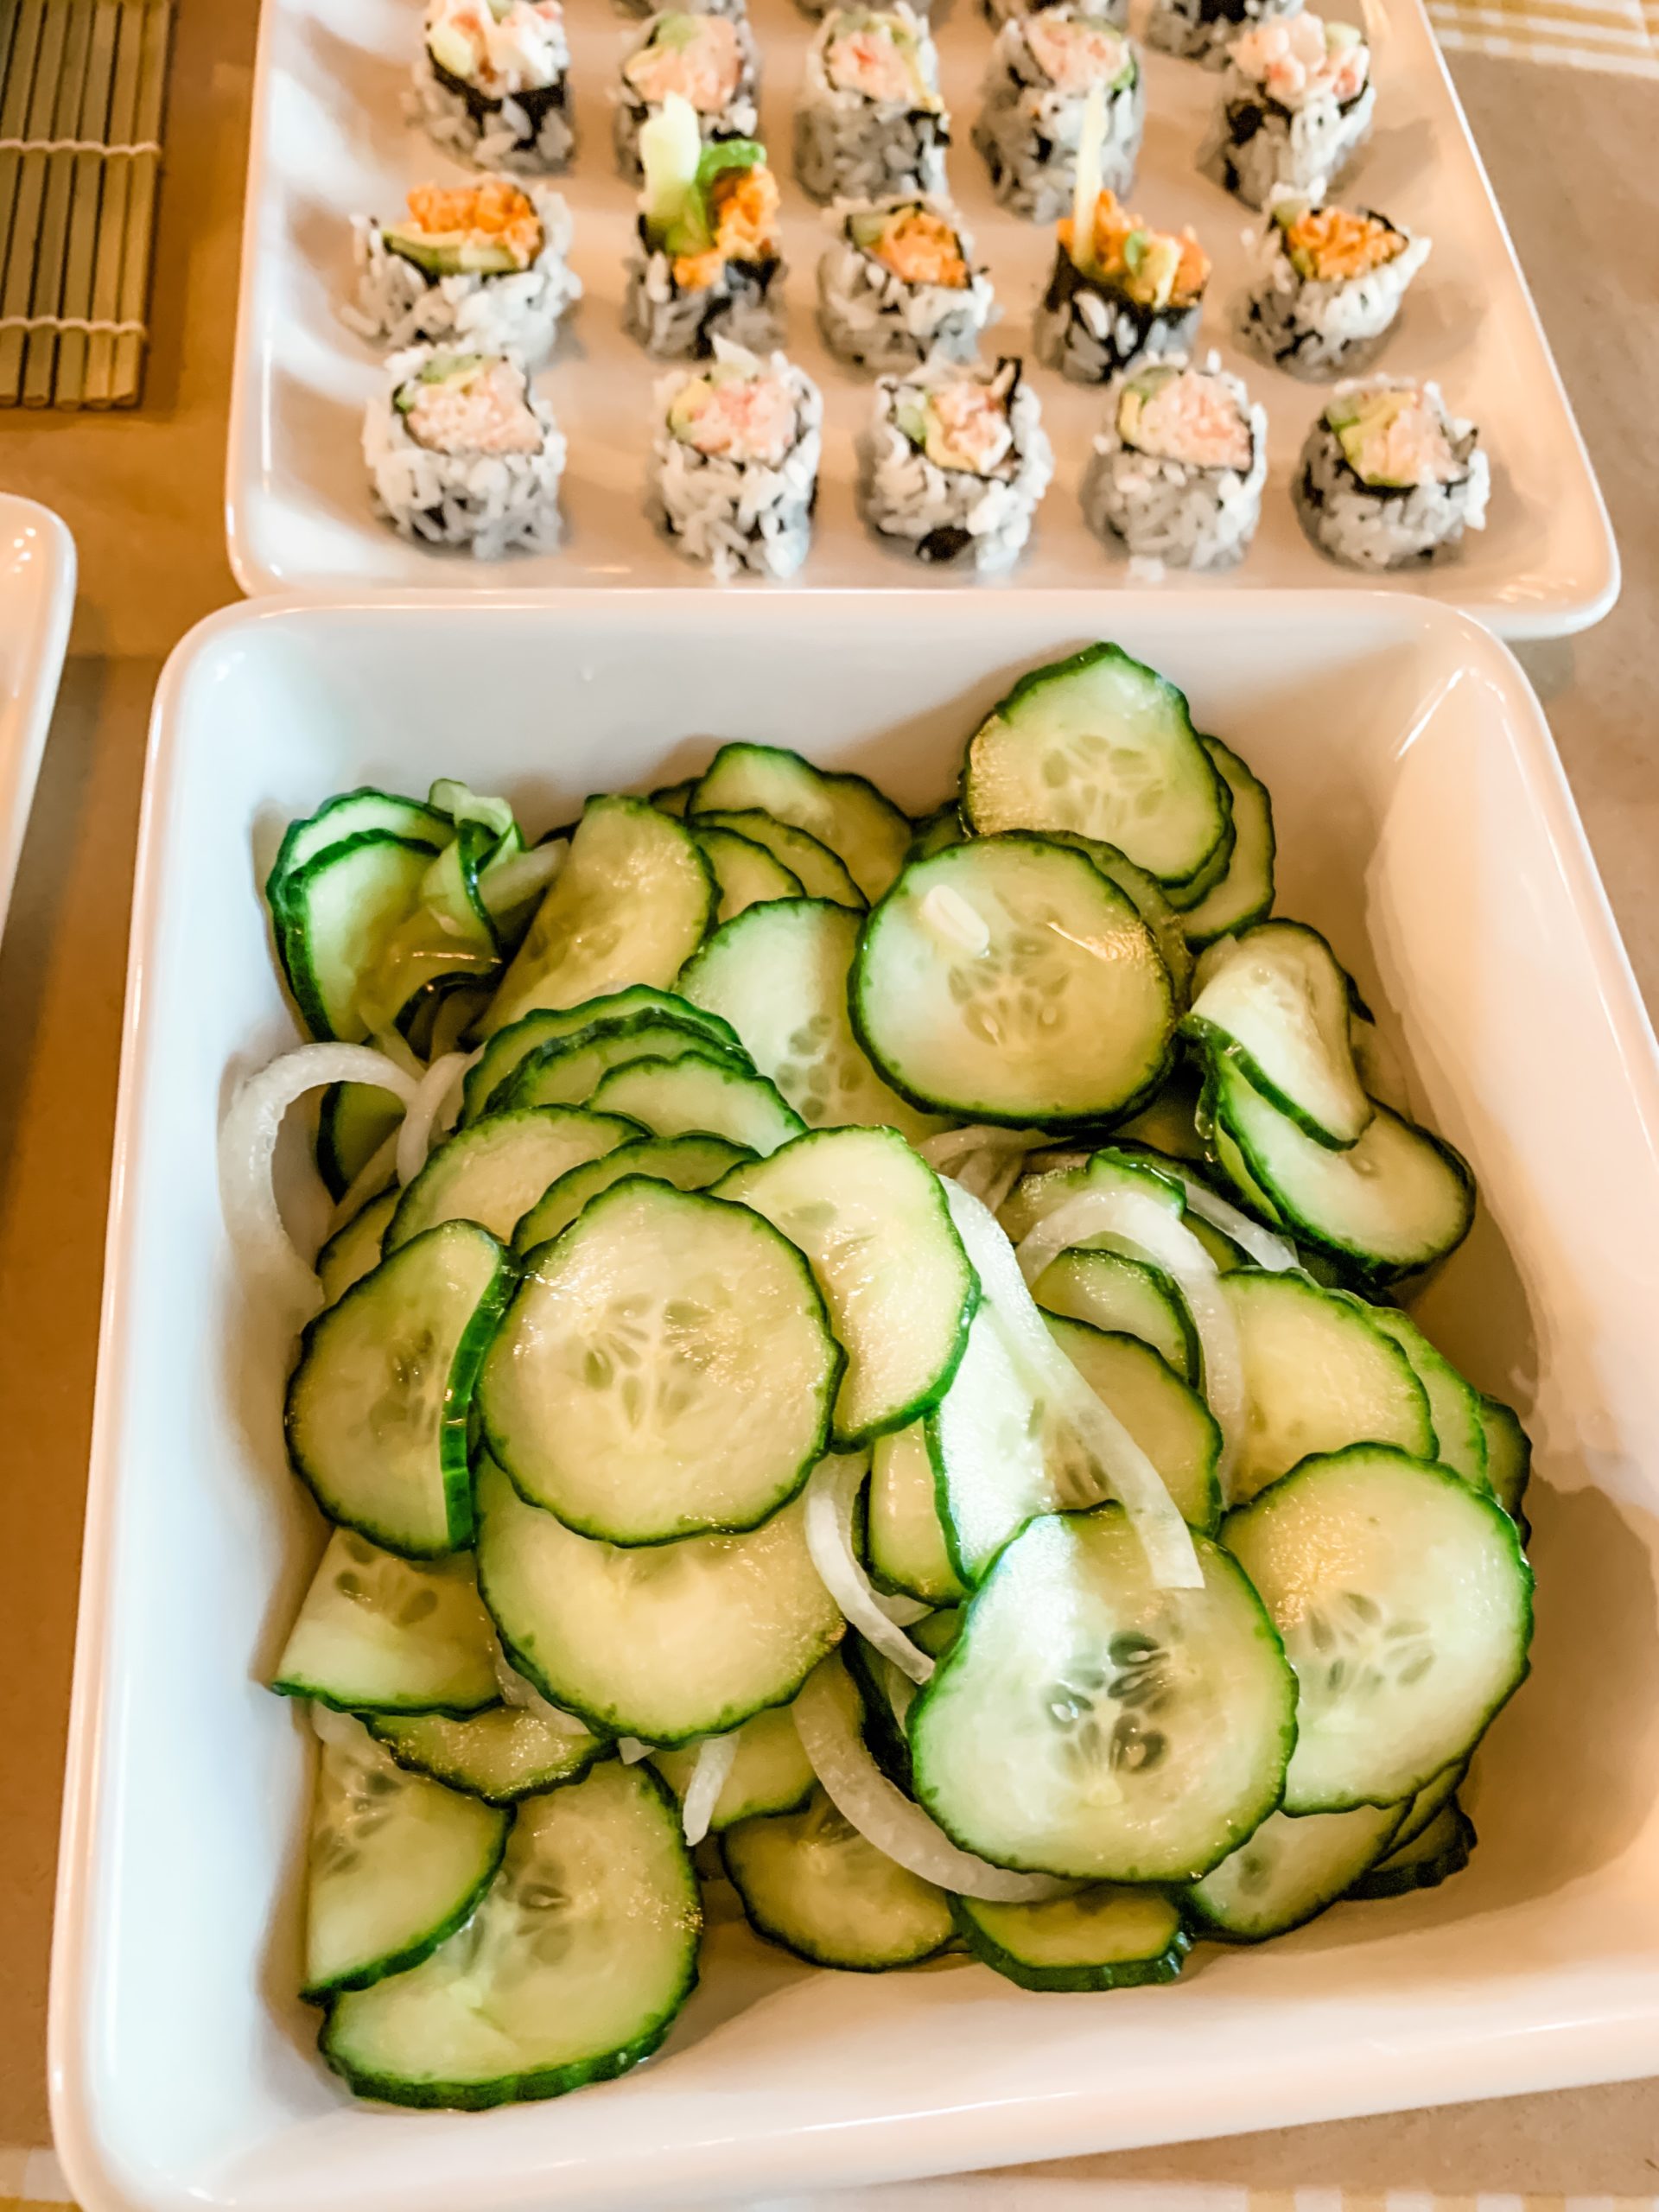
x,y
1571,155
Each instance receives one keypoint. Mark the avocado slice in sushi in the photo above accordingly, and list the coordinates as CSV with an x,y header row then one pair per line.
x,y
1392,438
452,253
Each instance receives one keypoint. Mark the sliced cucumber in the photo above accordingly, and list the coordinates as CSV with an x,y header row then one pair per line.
x,y
1405,1605
1318,1376
1169,1124
1102,744
665,1368
673,798
376,1415
1437,1852
336,914
352,815
820,873
493,1173
1166,1417
1290,1870
1085,1723
1244,893
504,1051
1059,1176
396,1863
937,830
1509,1456
906,1542
1127,1297
664,1642
629,905
872,1220
1397,1201
999,1461
1008,980
376,1633
1105,1937
1426,1806
690,1163
566,1071
702,1094
501,1755
1146,895
847,813
354,1122
809,1881
779,975
1274,1001
571,1971
770,1773
354,1251
746,875
1453,1407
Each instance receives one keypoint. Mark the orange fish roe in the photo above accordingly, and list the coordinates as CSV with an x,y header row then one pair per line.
x,y
743,207
921,248
492,212
1330,244
1114,257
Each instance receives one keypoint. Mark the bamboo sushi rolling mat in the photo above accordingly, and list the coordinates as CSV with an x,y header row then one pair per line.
x,y
81,85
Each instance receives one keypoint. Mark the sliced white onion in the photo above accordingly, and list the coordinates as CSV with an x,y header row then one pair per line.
x,y
1263,1247
879,1620
941,1152
426,1109
370,1179
398,1050
630,1751
715,1756
342,1730
1135,1482
527,1698
518,880
247,1145
883,1814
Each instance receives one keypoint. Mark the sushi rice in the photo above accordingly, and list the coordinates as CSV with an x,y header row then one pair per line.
x,y
1043,67
899,286
733,469
1389,479
707,61
1202,30
1120,289
707,262
461,452
1296,105
998,12
1327,285
953,463
491,83
869,120
1178,471
480,266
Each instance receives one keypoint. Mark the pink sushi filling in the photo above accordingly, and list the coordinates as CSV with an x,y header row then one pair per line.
x,y
738,418
869,62
701,61
1191,418
966,426
1296,59
483,412
1076,52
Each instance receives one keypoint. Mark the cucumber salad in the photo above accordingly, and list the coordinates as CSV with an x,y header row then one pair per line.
x,y
858,1360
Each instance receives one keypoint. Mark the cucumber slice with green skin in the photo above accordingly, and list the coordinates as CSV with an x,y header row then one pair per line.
x,y
501,1755
354,814
336,915
396,1863
1405,1605
1007,980
746,875
354,1251
1244,893
779,974
1454,1406
1398,1201
820,873
1318,1376
354,1122
665,1368
937,830
1273,1000
908,1550
770,1774
1087,1724
1167,1419
1290,1871
865,830
567,1072
1437,1852
1041,1189
1105,1937
664,1641
1509,1456
1104,745
510,1046
1145,894
998,1463
493,1173
376,1633
700,1094
1169,1124
571,1971
872,1219
811,1882
376,1414
1426,1806
1126,1297
673,798
629,905
688,1163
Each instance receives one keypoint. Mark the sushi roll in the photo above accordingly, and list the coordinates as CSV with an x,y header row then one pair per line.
x,y
461,452
734,471
1202,30
1386,478
1327,285
1044,66
481,266
1296,105
998,12
1120,291
870,120
706,60
706,264
900,287
953,463
739,9
1177,475
491,83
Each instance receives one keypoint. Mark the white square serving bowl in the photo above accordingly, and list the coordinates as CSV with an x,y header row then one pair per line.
x,y
1426,825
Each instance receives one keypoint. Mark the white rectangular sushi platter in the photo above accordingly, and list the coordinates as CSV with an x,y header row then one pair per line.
x,y
330,139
